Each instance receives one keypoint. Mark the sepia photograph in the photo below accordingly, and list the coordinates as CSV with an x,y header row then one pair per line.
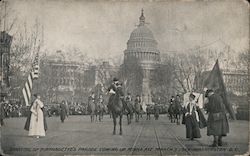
x,y
124,77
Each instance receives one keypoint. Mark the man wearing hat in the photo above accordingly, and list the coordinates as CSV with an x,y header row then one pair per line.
x,y
112,90
217,123
2,114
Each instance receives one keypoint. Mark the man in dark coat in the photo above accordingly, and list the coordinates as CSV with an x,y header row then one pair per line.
x,y
2,113
112,91
63,111
156,111
217,123
148,112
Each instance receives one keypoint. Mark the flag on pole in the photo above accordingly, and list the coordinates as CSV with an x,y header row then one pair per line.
x,y
36,66
215,82
27,90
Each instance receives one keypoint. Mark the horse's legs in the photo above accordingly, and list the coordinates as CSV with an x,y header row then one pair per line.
x,y
128,119
114,122
136,117
91,117
96,116
178,119
100,116
120,122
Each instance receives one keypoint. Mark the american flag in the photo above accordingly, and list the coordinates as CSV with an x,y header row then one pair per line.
x,y
36,66
29,83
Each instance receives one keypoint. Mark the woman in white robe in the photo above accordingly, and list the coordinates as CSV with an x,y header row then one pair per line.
x,y
36,127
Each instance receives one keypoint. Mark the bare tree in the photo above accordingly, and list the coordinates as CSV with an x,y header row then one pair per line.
x,y
26,43
160,82
187,67
131,74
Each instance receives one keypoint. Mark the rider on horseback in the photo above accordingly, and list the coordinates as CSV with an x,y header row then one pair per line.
x,y
128,98
113,90
92,97
172,100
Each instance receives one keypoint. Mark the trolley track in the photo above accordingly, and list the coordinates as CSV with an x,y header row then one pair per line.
x,y
137,138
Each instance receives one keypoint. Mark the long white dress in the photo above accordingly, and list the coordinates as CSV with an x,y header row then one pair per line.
x,y
36,121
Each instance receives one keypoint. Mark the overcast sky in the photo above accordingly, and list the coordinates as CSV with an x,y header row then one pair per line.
x,y
102,28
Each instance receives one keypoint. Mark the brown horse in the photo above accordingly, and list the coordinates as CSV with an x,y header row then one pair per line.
x,y
128,110
116,109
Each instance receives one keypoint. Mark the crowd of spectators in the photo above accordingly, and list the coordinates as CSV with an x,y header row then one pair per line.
x,y
12,109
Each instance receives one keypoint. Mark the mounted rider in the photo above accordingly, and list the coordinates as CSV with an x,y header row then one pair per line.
x,y
177,102
172,101
112,90
91,98
128,98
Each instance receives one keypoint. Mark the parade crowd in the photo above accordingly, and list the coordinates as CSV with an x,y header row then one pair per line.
x,y
192,116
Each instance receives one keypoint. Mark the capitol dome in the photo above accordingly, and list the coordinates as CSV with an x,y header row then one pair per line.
x,y
142,32
142,44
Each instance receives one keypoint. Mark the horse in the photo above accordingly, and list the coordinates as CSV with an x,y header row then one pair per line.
x,y
99,111
92,109
128,109
171,112
178,112
175,111
116,109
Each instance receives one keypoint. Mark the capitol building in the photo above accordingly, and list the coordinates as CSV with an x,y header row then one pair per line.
x,y
142,47
141,72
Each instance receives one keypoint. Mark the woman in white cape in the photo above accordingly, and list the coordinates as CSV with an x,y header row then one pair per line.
x,y
36,127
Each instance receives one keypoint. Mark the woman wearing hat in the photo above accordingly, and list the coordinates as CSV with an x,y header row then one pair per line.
x,y
217,123
191,119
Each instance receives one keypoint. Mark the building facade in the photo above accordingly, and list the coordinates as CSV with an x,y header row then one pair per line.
x,y
236,81
68,81
72,81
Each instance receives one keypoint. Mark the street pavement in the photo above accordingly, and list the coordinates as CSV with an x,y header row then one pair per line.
x,y
78,136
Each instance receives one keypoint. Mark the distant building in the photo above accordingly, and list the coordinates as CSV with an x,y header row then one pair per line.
x,y
5,44
70,81
236,81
